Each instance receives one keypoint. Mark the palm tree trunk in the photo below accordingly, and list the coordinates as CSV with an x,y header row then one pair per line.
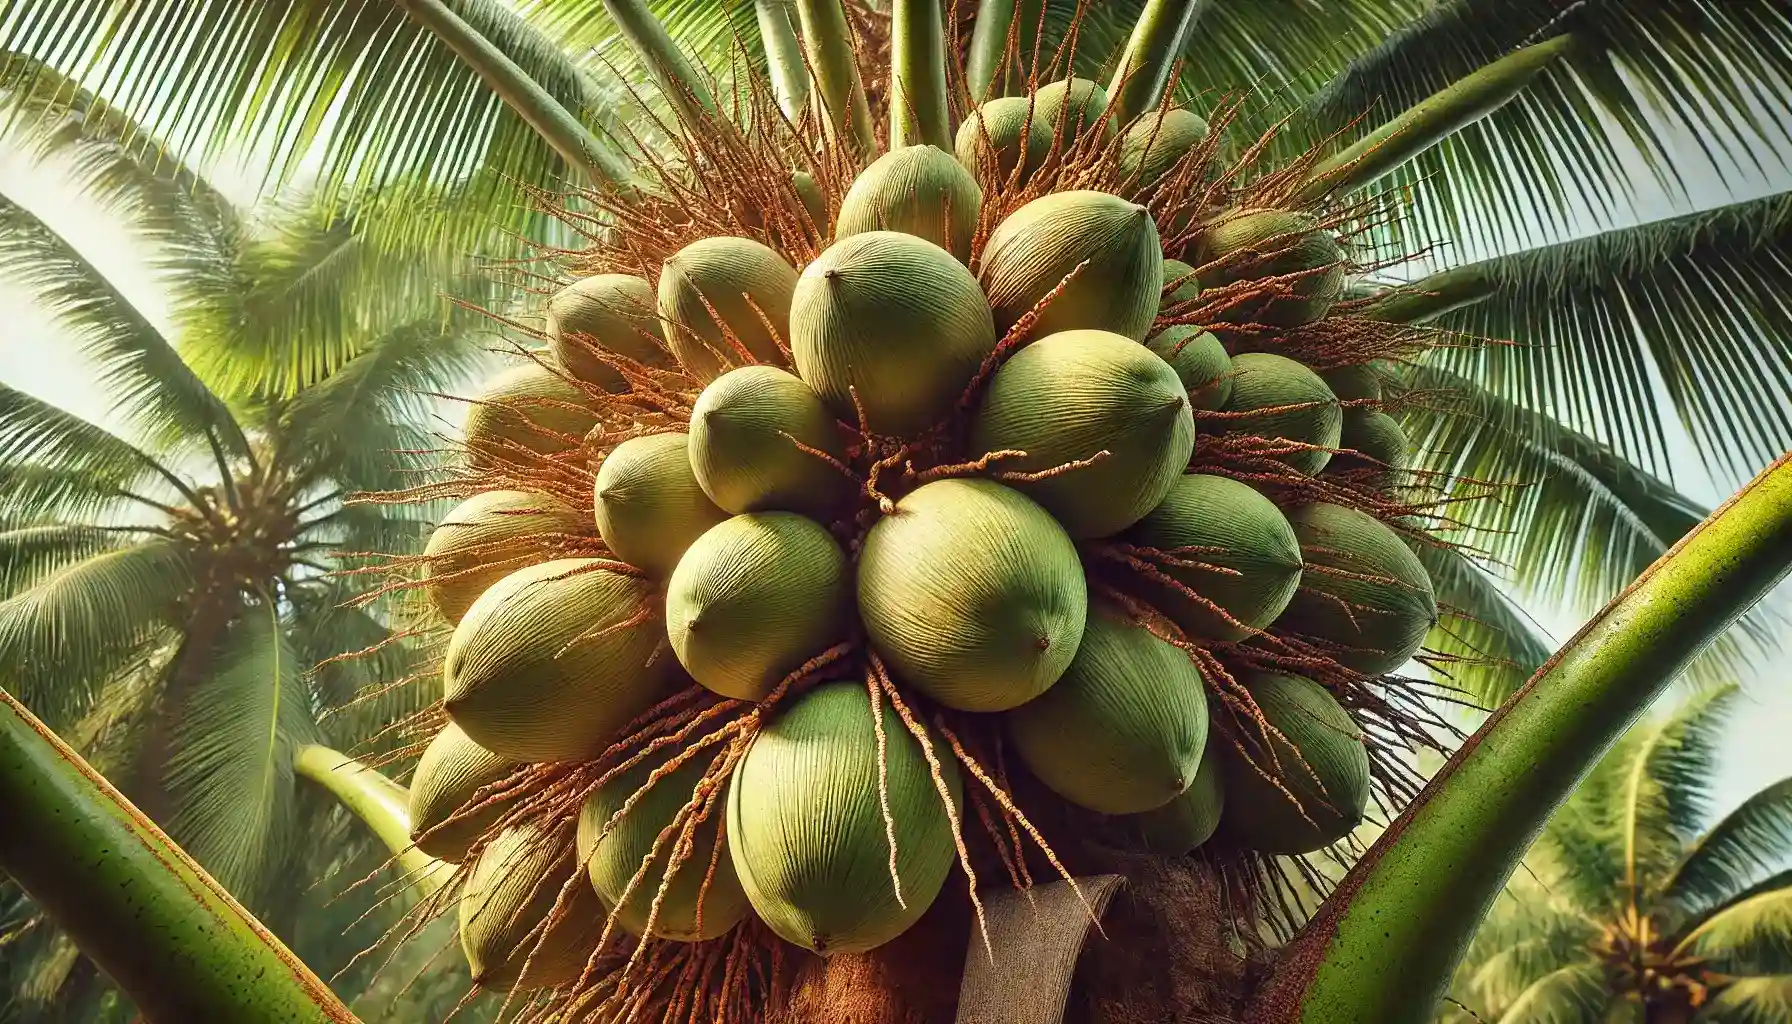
x,y
146,784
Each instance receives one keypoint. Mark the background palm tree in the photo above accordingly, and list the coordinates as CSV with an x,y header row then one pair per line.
x,y
1632,909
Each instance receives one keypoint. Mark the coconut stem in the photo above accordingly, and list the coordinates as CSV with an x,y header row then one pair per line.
x,y
828,42
381,804
1004,48
680,83
783,56
1433,296
919,113
1144,72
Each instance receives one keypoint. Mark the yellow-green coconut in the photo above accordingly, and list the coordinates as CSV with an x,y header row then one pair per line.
x,y
1155,143
611,312
746,283
973,594
745,430
1069,397
1290,402
648,504
754,598
1070,109
450,774
807,833
489,536
1123,729
918,190
1360,382
1113,241
542,669
1373,610
815,203
1180,285
1256,244
1372,441
1316,754
999,135
510,892
1190,819
897,318
1200,362
527,408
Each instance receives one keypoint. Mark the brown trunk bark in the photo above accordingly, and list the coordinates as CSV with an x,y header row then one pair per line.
x,y
1674,1008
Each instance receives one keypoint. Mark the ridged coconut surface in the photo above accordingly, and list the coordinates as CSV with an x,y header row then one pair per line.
x,y
1317,756
742,457
1155,142
1291,403
1180,284
1071,108
648,504
509,893
536,673
973,593
1375,611
756,597
1226,525
1029,254
1354,383
489,536
449,775
918,190
614,312
1200,362
1190,819
896,317
815,202
1256,244
1373,441
1000,134
527,407
807,833
1123,729
613,854
745,283
1070,396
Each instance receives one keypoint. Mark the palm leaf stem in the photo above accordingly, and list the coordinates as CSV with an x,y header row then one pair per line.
x,y
828,41
919,112
783,56
680,83
383,805
1151,53
1001,25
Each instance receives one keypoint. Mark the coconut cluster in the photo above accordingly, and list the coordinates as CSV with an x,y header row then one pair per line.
x,y
963,450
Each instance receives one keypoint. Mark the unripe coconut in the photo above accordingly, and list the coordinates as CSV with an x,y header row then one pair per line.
x,y
1071,108
1180,284
1123,729
1200,362
451,772
1156,142
1030,254
895,317
1219,522
1316,754
1372,441
746,283
1374,612
973,594
1256,244
486,538
648,504
527,407
543,668
1073,395
1296,404
1000,134
614,312
613,854
754,598
510,892
815,203
1178,827
807,832
918,190
1361,382
740,453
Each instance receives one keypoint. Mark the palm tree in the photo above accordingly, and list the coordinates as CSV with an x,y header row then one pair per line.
x,y
1633,909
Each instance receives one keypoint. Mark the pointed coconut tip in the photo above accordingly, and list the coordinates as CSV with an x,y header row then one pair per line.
x,y
647,503
449,775
485,538
918,190
1374,612
605,313
716,297
746,429
509,893
1291,403
1315,754
1099,238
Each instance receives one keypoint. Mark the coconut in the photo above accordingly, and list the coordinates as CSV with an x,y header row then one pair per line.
x,y
509,893
918,190
1073,395
613,854
1358,383
895,317
815,203
745,283
648,504
487,537
1113,241
1373,612
1297,407
553,659
1069,109
1316,755
973,594
1254,244
451,772
527,407
754,598
745,429
1188,820
1000,134
1180,284
614,312
1200,362
1155,143
1225,524
1372,441
1123,729
807,831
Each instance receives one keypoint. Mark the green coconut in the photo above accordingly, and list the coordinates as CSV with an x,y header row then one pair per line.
x,y
451,772
742,451
1180,284
487,537
1188,820
1070,396
1358,383
615,313
973,594
1200,362
897,318
754,598
527,407
1296,406
648,504
1114,242
1372,441
1156,142
918,190
1070,109
815,203
1316,755
544,668
1123,729
1254,244
807,832
1374,611
613,854
509,893
1000,134
746,284
1225,524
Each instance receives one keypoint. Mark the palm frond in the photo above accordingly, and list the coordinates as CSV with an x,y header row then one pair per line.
x,y
1751,840
30,553
1492,645
1525,937
1751,935
59,464
1574,994
1663,774
1764,999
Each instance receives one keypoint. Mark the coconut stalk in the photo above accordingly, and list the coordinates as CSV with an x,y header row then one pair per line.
x,y
683,87
1001,25
379,802
828,41
783,56
133,901
1431,297
1144,70
1383,947
919,114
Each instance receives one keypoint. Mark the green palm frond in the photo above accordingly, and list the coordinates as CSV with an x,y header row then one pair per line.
x,y
367,693
1754,934
1662,774
30,553
1751,840
1574,994
1525,938
1496,644
1765,999
54,459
